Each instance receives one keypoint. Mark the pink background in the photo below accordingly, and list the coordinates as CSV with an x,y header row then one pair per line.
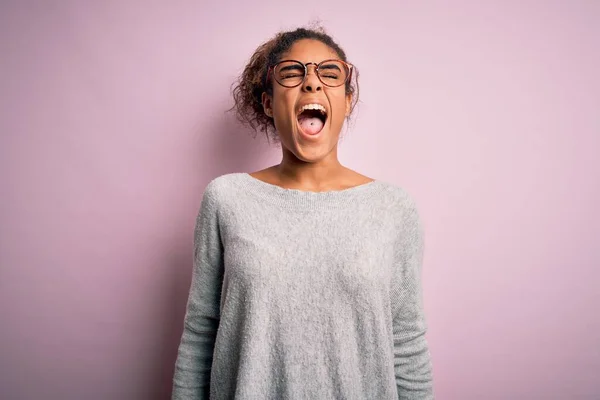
x,y
113,122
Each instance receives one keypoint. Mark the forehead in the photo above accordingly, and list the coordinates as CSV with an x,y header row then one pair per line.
x,y
310,50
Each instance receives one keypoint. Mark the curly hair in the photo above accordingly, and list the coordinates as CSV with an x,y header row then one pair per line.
x,y
248,89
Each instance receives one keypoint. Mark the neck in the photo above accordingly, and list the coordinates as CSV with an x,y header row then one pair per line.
x,y
317,175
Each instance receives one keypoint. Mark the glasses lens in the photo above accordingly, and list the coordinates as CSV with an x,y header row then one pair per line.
x,y
333,73
289,73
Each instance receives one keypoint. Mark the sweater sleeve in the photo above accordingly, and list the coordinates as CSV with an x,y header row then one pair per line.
x,y
412,363
191,380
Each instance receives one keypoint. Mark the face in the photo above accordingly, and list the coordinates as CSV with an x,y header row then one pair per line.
x,y
297,130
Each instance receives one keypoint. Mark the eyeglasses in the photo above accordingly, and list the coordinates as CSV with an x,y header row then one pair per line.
x,y
291,73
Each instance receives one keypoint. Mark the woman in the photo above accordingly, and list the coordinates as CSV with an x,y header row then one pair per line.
x,y
306,281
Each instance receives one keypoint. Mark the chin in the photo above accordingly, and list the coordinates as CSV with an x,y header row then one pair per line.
x,y
309,147
314,148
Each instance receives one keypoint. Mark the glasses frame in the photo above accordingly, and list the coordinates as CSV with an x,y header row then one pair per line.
x,y
348,66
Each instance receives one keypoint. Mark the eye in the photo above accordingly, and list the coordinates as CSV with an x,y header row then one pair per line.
x,y
291,75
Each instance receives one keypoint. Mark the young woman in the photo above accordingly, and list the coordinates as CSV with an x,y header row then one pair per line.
x,y
306,280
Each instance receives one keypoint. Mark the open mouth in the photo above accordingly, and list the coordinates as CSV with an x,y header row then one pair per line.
x,y
311,118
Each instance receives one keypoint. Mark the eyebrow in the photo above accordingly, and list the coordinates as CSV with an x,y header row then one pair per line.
x,y
290,67
330,66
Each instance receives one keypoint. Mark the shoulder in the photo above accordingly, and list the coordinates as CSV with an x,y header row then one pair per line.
x,y
397,197
219,189
404,212
400,206
222,185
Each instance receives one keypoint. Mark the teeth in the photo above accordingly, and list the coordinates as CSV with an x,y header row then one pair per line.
x,y
312,107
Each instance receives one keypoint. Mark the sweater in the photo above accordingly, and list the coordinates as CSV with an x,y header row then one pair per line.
x,y
304,295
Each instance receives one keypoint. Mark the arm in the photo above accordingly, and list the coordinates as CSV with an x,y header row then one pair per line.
x,y
191,379
412,363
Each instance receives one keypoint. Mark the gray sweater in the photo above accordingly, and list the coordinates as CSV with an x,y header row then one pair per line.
x,y
304,295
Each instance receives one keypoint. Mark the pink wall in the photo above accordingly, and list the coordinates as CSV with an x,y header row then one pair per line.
x,y
112,123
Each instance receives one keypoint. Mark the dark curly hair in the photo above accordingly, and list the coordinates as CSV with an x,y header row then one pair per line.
x,y
248,89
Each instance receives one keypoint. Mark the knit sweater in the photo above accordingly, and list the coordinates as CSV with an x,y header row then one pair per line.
x,y
304,295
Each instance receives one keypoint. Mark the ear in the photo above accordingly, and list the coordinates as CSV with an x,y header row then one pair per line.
x,y
267,103
348,104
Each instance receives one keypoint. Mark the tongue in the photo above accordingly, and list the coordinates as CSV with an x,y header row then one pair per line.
x,y
310,125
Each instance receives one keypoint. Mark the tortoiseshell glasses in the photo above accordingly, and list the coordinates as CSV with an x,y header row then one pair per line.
x,y
291,73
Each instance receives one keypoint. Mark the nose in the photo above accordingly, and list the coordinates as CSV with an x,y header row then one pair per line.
x,y
311,81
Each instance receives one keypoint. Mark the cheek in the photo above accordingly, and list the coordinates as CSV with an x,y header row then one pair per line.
x,y
338,104
283,101
283,104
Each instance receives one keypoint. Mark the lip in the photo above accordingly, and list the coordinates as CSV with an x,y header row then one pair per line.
x,y
311,101
299,107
